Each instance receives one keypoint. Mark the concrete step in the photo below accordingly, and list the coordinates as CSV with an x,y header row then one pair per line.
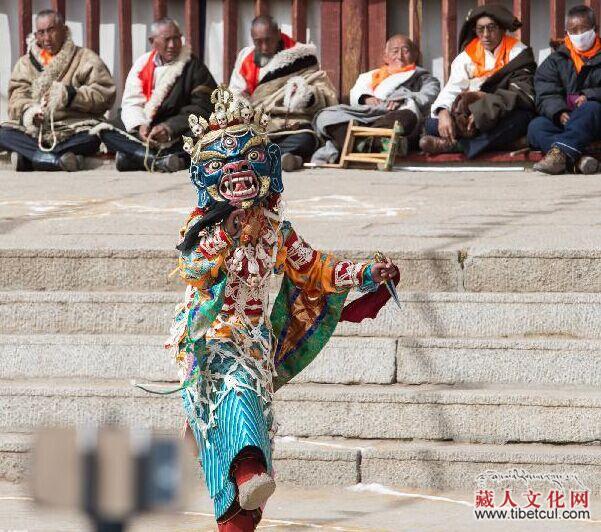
x,y
539,361
471,270
471,315
343,361
486,414
424,465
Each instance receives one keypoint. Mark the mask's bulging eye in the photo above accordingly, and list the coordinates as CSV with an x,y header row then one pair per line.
x,y
213,166
255,156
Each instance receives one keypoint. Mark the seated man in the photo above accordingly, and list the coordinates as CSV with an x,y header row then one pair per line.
x,y
57,93
489,98
284,78
568,98
398,91
163,88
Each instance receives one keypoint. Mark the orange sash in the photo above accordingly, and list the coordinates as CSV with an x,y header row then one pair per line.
x,y
146,76
45,56
477,54
577,55
383,72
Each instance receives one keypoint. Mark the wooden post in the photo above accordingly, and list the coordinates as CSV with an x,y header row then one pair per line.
x,y
331,33
596,5
59,5
159,9
521,9
415,21
93,24
261,7
230,37
376,23
25,14
191,23
449,33
354,42
124,11
299,20
558,10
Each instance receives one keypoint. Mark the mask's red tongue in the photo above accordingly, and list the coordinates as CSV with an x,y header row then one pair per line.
x,y
240,185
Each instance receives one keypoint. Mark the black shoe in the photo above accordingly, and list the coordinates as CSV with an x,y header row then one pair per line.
x,y
129,162
126,163
20,163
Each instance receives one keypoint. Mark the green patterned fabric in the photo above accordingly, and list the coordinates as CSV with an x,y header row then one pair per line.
x,y
315,337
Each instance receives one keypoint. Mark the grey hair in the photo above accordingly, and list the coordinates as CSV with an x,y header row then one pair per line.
x,y
582,11
165,21
265,20
58,16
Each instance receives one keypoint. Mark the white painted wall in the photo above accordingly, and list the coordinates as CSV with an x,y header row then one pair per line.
x,y
142,18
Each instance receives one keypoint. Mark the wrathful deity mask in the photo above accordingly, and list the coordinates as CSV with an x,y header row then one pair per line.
x,y
233,161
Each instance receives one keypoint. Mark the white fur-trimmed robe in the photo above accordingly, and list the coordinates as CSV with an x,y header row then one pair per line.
x,y
135,110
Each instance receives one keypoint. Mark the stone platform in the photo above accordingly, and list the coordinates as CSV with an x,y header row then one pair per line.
x,y
490,364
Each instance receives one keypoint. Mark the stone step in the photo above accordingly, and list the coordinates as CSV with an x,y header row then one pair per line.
x,y
150,269
418,464
343,360
471,270
486,414
539,361
296,461
471,315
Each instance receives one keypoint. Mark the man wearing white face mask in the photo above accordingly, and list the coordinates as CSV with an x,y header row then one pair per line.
x,y
568,98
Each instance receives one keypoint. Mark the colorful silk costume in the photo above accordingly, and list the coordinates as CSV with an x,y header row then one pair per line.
x,y
231,353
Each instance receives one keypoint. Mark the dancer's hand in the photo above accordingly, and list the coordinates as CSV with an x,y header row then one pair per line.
x,y
383,271
234,222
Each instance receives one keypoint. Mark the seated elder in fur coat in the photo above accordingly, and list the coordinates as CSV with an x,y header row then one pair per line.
x,y
57,93
399,90
488,100
283,77
162,89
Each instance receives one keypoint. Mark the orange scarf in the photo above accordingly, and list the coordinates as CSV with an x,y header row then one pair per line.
x,y
577,55
383,72
45,56
146,76
477,54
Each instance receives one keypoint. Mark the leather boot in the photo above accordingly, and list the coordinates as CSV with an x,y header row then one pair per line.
x,y
131,162
587,165
434,145
555,162
20,163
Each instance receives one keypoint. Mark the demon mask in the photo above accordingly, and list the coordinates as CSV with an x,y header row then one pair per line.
x,y
233,160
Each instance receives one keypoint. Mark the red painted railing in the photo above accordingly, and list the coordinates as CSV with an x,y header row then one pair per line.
x,y
353,31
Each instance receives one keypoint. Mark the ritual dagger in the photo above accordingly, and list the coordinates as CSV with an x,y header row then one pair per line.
x,y
380,257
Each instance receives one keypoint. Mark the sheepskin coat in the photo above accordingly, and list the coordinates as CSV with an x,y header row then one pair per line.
x,y
290,109
74,91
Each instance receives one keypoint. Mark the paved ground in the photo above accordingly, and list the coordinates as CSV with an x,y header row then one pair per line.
x,y
293,509
334,209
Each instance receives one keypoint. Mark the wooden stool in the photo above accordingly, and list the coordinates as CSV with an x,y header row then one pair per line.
x,y
384,161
